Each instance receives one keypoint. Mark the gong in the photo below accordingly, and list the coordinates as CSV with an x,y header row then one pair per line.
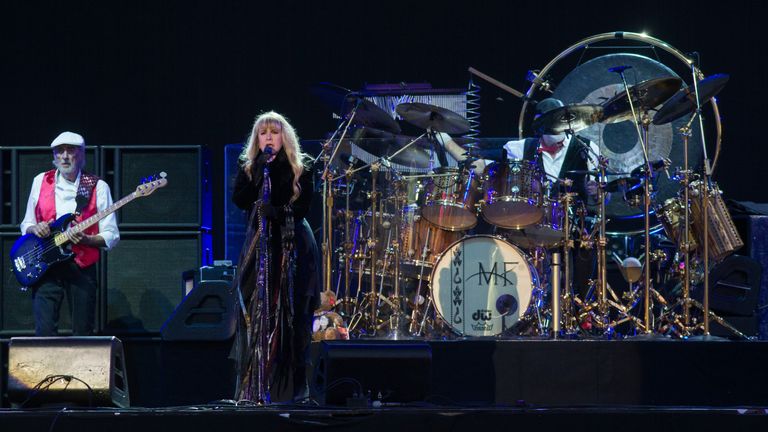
x,y
592,83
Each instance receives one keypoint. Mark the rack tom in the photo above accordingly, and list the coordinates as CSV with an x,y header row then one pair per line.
x,y
449,199
513,194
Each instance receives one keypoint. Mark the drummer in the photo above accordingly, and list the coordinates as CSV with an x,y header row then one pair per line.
x,y
563,156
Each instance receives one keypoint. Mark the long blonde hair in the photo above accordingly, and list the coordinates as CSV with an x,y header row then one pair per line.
x,y
290,144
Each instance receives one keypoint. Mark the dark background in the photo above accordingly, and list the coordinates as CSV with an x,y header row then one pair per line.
x,y
198,72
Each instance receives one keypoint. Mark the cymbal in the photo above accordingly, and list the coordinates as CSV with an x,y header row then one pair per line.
x,y
343,101
684,101
381,143
645,95
571,118
427,116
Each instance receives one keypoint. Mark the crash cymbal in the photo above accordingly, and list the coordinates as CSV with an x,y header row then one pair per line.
x,y
385,144
432,117
571,118
684,101
343,101
645,95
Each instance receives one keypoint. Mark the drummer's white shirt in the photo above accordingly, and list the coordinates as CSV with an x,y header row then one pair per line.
x,y
552,164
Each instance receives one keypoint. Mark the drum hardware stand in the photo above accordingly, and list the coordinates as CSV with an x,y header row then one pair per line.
x,y
706,175
328,198
556,307
416,328
347,305
685,325
562,312
644,121
376,215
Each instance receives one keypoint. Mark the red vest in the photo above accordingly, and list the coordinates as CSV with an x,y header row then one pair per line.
x,y
45,211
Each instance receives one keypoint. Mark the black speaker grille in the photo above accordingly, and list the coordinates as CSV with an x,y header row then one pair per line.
x,y
177,204
143,278
31,162
16,305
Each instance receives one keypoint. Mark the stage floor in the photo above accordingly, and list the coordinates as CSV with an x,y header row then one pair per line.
x,y
474,373
279,418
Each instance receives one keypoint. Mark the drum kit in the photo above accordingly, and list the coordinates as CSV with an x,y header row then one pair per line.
x,y
417,245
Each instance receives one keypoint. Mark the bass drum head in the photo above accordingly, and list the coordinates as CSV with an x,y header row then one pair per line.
x,y
482,286
592,83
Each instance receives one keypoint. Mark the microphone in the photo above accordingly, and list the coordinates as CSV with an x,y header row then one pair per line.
x,y
262,159
619,69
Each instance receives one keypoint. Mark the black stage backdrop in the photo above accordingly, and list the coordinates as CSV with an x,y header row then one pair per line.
x,y
197,72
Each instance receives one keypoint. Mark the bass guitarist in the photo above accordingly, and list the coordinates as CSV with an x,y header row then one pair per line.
x,y
68,189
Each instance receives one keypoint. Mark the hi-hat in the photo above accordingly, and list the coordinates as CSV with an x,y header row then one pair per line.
x,y
432,117
684,101
645,95
569,118
343,101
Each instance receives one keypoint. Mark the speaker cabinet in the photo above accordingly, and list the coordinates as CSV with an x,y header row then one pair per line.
x,y
142,276
207,313
78,370
184,203
20,166
16,304
391,372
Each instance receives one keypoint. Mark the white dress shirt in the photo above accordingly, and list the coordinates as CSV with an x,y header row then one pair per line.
x,y
65,192
552,163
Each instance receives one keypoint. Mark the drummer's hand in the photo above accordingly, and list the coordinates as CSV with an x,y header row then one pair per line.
x,y
591,187
41,229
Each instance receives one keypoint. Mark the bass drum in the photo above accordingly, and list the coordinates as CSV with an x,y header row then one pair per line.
x,y
483,286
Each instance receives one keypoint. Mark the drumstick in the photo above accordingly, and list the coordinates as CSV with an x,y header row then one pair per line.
x,y
496,82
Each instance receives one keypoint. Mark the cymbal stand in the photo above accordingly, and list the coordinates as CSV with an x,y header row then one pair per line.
x,y
376,216
704,194
706,175
645,121
347,304
563,318
328,200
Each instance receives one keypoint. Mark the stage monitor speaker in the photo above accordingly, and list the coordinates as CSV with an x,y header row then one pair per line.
x,y
735,286
16,304
207,313
184,203
142,276
390,372
67,370
20,166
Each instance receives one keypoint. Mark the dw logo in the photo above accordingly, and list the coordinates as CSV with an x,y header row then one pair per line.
x,y
482,315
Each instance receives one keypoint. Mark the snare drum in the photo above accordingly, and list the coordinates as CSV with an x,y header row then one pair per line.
x,y
483,286
513,194
450,198
422,243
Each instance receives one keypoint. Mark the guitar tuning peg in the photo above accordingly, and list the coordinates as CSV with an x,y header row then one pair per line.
x,y
163,174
